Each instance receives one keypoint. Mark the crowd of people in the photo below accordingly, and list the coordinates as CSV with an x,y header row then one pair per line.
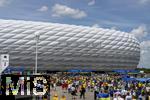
x,y
102,86
108,86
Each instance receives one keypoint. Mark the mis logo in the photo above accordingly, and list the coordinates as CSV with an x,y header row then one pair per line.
x,y
25,85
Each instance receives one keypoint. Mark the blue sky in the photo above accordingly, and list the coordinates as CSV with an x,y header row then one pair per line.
x,y
131,16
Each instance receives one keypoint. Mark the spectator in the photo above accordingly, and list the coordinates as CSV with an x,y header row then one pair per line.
x,y
82,92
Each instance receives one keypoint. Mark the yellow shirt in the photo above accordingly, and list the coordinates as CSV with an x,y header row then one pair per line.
x,y
84,85
140,84
104,99
63,98
55,98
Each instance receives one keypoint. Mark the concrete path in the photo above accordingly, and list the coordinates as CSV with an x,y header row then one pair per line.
x,y
89,95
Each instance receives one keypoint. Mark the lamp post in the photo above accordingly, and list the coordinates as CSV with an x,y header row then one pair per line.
x,y
37,36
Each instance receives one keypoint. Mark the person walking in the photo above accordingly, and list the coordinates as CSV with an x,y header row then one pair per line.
x,y
55,97
63,97
128,97
82,92
95,92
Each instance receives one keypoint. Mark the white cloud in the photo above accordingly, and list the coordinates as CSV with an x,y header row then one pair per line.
x,y
114,28
140,31
59,10
145,54
4,2
92,2
43,8
96,25
145,44
143,1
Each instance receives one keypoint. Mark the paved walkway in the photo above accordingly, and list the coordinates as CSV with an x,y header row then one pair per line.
x,y
88,96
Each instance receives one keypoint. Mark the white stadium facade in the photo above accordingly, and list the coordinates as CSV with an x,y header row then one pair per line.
x,y
63,47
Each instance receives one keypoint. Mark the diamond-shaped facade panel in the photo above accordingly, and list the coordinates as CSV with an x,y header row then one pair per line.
x,y
62,46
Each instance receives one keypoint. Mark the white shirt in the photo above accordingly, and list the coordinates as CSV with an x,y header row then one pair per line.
x,y
123,92
118,98
72,88
95,88
128,97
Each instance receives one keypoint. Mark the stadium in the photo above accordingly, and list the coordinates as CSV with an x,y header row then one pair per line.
x,y
62,47
74,50
66,61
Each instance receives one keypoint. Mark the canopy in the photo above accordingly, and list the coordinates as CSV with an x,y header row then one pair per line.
x,y
121,71
128,79
10,69
143,79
